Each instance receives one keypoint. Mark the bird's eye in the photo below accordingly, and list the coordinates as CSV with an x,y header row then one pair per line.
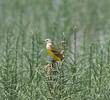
x,y
46,40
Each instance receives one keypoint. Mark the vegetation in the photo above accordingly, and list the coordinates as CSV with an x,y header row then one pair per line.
x,y
84,73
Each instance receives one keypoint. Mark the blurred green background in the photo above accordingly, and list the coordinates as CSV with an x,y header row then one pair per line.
x,y
84,24
58,16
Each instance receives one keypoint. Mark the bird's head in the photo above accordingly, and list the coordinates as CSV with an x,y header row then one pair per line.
x,y
48,41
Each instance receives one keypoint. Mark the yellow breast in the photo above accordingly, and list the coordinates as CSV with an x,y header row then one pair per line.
x,y
51,53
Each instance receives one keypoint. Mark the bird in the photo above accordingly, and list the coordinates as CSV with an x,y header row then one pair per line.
x,y
52,50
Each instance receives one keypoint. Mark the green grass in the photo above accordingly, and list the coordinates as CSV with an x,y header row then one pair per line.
x,y
83,75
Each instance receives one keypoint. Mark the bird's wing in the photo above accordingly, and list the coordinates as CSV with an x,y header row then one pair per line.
x,y
55,51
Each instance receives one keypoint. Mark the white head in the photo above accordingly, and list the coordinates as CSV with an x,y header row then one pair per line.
x,y
48,41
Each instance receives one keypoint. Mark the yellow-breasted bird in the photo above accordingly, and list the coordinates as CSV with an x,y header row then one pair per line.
x,y
52,50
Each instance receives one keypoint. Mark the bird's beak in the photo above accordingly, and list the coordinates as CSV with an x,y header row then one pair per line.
x,y
43,41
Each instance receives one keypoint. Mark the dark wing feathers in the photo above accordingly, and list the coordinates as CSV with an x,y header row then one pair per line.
x,y
55,51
